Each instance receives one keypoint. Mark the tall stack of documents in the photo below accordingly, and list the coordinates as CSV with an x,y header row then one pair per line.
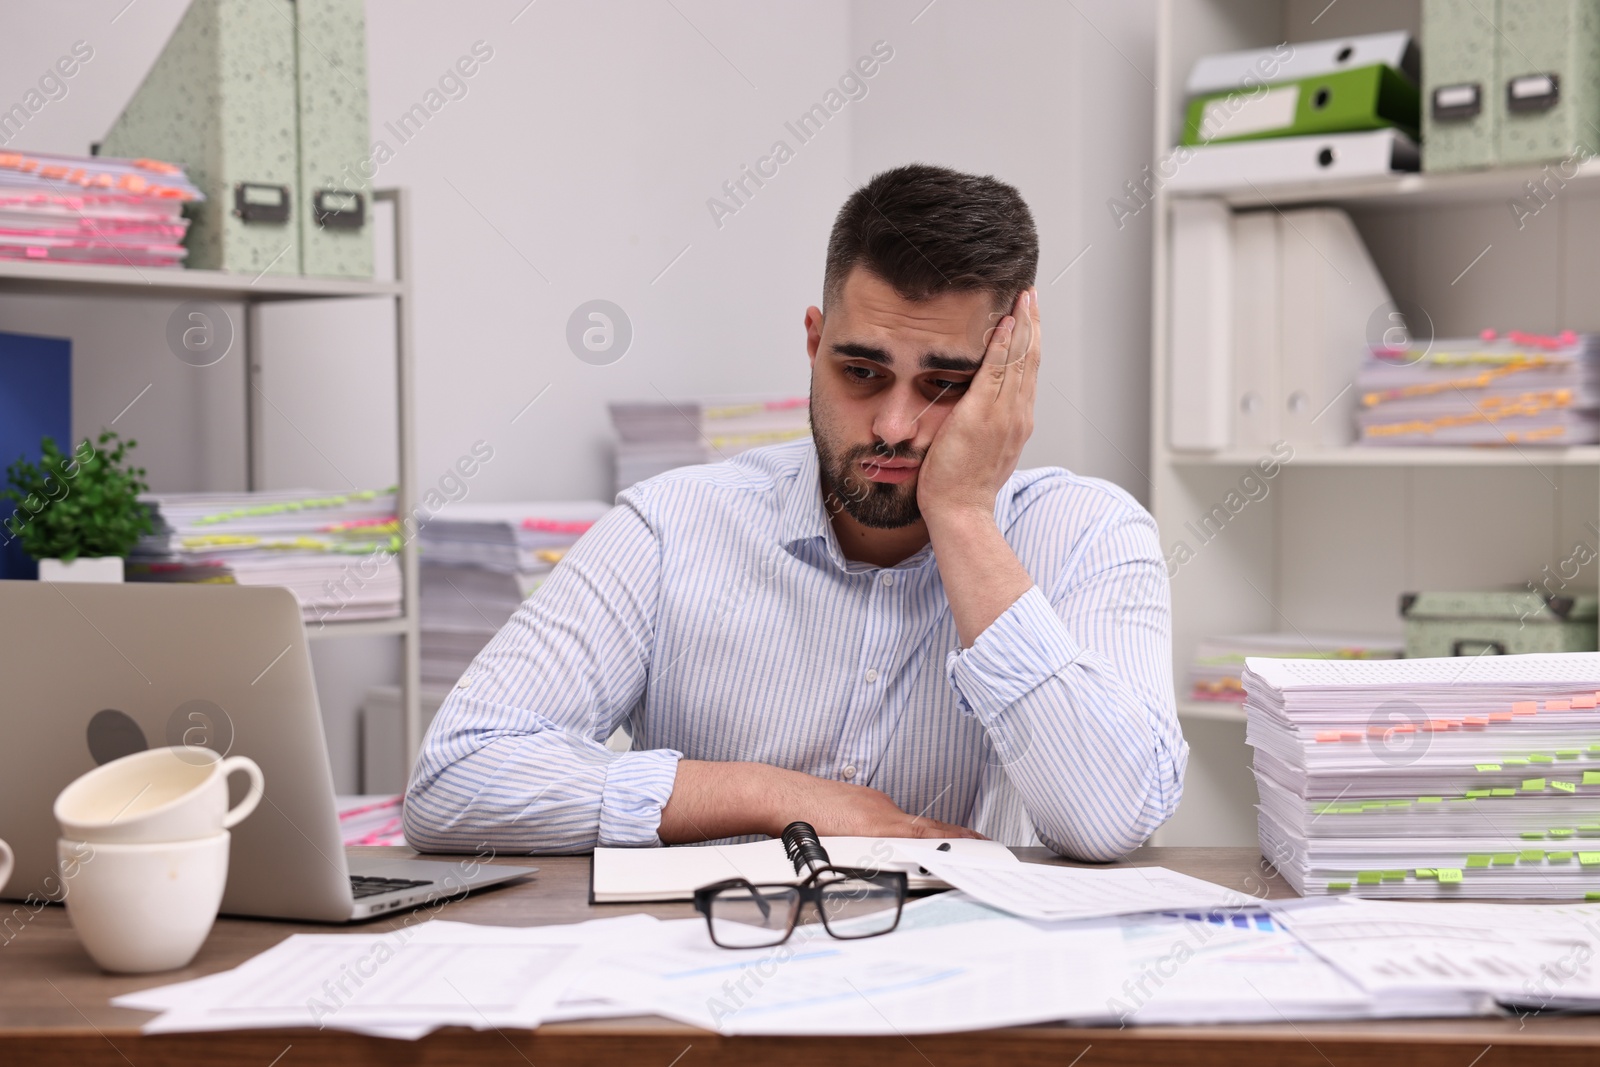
x,y
1430,778
334,551
1217,668
657,435
479,563
1341,107
89,209
1512,389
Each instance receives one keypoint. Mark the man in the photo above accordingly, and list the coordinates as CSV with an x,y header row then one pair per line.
x,y
884,630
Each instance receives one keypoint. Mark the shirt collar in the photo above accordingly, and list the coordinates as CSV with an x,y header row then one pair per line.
x,y
804,518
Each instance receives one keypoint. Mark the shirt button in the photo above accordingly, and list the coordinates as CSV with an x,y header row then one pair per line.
x,y
466,680
849,772
888,579
872,674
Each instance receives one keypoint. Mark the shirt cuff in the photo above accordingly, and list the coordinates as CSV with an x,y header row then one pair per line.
x,y
636,789
1021,649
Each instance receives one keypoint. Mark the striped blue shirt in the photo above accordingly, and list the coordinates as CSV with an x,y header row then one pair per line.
x,y
713,615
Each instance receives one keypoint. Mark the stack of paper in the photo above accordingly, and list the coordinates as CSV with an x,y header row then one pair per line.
x,y
1424,778
656,436
1218,663
90,209
1520,388
334,551
479,563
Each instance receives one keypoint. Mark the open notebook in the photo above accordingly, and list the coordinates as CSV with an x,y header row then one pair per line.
x,y
648,875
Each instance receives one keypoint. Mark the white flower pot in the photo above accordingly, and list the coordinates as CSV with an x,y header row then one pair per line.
x,y
82,569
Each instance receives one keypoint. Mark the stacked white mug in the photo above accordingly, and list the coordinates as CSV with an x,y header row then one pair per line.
x,y
144,853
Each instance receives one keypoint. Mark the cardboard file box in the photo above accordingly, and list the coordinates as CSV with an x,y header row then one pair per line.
x,y
264,104
1496,623
1548,55
1460,84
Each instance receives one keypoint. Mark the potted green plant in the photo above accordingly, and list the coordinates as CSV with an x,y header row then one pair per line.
x,y
79,515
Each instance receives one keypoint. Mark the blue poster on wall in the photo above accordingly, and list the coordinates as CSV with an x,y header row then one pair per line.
x,y
35,400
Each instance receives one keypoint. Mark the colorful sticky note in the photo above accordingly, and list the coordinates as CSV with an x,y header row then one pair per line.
x,y
1540,757
1430,800
1534,785
1426,872
1524,707
1558,857
1338,885
1473,794
1327,735
1515,761
1369,877
1505,859
1476,720
1533,835
1394,876
1558,705
1592,895
1591,777
1488,766
1449,874
1506,791
1478,861
1587,701
1565,787
1499,716
1531,855
1569,753
1589,859
1560,831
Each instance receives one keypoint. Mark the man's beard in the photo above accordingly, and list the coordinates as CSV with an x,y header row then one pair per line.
x,y
879,505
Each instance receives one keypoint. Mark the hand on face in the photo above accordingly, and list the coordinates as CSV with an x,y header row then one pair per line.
x,y
977,447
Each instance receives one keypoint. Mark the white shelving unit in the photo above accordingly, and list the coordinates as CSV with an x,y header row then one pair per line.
x,y
1342,533
90,281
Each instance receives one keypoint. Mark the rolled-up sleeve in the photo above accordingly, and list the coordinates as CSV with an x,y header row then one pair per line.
x,y
515,759
1075,691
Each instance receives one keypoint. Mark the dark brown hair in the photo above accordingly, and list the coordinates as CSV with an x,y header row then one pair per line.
x,y
930,230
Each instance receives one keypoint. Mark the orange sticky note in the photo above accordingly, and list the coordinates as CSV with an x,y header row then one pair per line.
x,y
1558,705
1583,701
1438,724
1499,716
1476,720
1328,735
1524,707
1350,735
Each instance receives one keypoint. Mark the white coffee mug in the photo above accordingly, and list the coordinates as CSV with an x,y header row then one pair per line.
x,y
6,860
143,907
162,794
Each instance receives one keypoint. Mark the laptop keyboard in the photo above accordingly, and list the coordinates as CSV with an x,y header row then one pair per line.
x,y
365,885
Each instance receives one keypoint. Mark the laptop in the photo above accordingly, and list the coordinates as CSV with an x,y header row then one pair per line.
x,y
92,672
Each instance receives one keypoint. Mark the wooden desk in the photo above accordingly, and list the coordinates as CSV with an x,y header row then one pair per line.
x,y
54,1009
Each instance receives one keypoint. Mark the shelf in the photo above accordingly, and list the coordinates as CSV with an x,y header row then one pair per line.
x,y
1214,710
359,628
1507,456
75,278
1460,187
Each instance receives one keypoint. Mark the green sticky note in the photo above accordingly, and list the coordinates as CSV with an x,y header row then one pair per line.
x,y
1558,857
1394,876
1533,835
1430,800
1505,859
1569,753
1478,861
1371,805
1505,792
1515,761
1589,859
1338,885
1589,828
1399,803
1594,748
1488,766
1561,831
1474,794
1540,757
1532,855
1591,777
1369,877
1565,787
1449,874
1427,872
1534,785
1592,895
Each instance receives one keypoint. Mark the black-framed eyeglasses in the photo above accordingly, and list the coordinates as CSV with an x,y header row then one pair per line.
x,y
853,902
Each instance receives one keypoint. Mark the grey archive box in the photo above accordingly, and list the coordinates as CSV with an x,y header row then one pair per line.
x,y
1549,68
264,104
1460,122
1496,623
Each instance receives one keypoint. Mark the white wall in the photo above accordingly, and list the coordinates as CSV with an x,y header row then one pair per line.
x,y
578,166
